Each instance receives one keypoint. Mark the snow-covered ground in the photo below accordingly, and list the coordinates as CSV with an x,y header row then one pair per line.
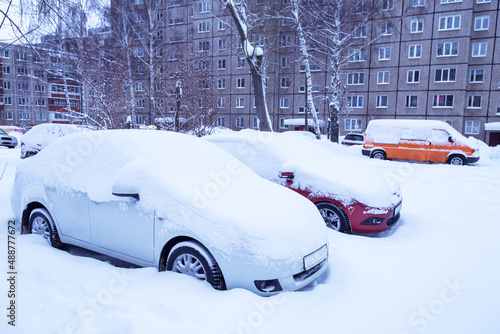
x,y
436,271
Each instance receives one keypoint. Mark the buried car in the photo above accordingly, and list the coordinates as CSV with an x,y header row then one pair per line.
x,y
6,140
350,198
193,209
42,135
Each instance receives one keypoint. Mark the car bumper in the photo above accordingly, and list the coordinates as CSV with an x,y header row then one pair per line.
x,y
471,160
373,220
366,152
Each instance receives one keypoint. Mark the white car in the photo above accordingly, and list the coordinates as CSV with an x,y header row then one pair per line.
x,y
42,135
175,202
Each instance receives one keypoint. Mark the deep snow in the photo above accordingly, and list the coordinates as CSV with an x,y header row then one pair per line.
x,y
436,271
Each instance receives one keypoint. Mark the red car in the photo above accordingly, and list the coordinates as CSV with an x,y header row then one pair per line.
x,y
350,197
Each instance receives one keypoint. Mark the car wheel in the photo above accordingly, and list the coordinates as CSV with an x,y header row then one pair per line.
x,y
334,217
40,222
378,155
456,160
190,258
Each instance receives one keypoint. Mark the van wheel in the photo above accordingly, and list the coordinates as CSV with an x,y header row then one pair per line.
x,y
378,155
456,160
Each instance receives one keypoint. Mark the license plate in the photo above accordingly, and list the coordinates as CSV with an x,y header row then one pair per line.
x,y
316,257
396,210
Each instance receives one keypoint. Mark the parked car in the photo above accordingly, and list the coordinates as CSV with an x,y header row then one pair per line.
x,y
349,197
418,140
42,135
6,140
193,209
353,139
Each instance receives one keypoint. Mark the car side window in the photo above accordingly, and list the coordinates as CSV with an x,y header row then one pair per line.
x,y
440,136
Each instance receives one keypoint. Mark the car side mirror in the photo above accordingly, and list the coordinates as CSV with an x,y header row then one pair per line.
x,y
450,139
121,190
287,171
287,175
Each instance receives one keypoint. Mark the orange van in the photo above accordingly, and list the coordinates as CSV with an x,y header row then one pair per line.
x,y
418,140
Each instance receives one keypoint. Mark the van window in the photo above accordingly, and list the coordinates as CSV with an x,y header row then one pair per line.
x,y
440,136
414,133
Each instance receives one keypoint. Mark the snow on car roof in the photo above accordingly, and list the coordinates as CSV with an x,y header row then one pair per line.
x,y
316,167
43,134
188,182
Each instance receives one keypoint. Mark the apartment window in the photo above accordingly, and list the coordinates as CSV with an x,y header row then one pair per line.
x,y
40,116
413,76
261,40
285,82
40,102
204,26
140,103
282,123
352,124
138,2
37,59
176,21
240,122
6,85
39,88
7,100
240,63
138,18
221,64
360,7
222,24
387,4
445,75
38,74
222,44
418,3
6,54
6,69
386,29
221,102
472,127
255,123
355,101
22,86
417,26
356,55
221,83
415,51
384,53
411,101
139,86
286,61
22,71
449,22
450,1
284,102
481,23
240,83
477,76
139,51
443,101
382,101
447,49
383,77
21,56
240,102
22,101
176,3
356,78
204,46
479,49
474,102
204,7
286,41
358,31
24,116
221,121
482,1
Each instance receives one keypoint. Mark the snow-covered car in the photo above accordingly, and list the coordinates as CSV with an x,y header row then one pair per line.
x,y
6,140
182,204
42,135
350,198
353,139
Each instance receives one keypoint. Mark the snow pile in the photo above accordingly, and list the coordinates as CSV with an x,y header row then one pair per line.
x,y
43,134
191,183
318,169
488,154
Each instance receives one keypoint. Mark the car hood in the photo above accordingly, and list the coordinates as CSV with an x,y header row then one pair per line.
x,y
194,186
316,168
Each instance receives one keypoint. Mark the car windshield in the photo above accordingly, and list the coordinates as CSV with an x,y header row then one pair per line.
x,y
2,132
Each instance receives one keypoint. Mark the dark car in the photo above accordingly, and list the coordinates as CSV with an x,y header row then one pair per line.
x,y
353,139
6,140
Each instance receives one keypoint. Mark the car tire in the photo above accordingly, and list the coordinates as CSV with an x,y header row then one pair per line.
x,y
378,155
334,217
191,258
40,222
456,160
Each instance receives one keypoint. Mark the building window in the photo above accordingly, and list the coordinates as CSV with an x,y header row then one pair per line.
x,y
353,124
7,100
479,49
482,1
284,102
140,103
286,41
173,22
443,101
221,121
222,44
447,49
40,102
411,101
221,64
240,102
6,70
24,116
450,1
477,76
204,27
204,7
221,102
445,75
21,56
482,23
139,86
286,61
139,51
387,4
355,101
40,116
240,122
449,22
38,74
240,83
384,53
418,3
204,46
176,3
6,54
417,26
285,82
22,71
221,83
240,63
9,115
22,86
282,123
356,78
382,101
472,127
415,51
6,85
474,102
255,123
386,29
222,24
356,55
413,76
22,101
358,31
383,77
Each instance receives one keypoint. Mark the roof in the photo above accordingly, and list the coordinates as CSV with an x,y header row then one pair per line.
x,y
494,126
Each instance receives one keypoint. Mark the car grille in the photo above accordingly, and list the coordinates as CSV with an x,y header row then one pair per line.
x,y
308,273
